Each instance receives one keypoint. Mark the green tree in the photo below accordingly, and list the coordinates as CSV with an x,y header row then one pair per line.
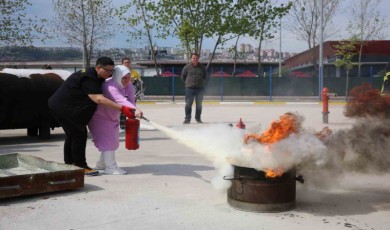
x,y
345,51
190,20
230,23
87,23
367,23
263,16
17,28
140,22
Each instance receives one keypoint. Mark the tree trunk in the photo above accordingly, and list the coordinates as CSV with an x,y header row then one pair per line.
x,y
346,86
149,39
235,57
212,55
259,58
360,57
188,49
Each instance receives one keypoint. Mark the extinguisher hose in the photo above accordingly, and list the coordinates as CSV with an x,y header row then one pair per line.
x,y
146,119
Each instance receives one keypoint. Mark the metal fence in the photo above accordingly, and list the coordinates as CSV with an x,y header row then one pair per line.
x,y
258,86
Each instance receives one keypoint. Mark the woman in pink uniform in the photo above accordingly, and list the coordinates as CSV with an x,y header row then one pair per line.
x,y
104,125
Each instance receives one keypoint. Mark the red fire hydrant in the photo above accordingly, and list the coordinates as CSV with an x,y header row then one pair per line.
x,y
325,104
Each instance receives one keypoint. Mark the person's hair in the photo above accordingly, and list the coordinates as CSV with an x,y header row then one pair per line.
x,y
194,54
103,61
125,58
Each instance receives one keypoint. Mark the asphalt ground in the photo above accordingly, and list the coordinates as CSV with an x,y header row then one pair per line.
x,y
168,185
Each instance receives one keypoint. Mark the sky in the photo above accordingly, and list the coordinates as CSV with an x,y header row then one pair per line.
x,y
44,9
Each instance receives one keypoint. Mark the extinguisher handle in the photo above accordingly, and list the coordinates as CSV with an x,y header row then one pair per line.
x,y
133,112
128,112
142,116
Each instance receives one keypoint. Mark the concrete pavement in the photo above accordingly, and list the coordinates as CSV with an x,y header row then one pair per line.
x,y
168,185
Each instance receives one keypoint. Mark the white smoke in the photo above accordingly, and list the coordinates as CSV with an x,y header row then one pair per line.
x,y
363,148
224,146
216,142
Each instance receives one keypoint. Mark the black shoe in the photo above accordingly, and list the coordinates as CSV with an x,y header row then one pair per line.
x,y
186,121
199,121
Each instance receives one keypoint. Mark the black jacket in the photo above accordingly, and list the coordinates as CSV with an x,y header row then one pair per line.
x,y
72,99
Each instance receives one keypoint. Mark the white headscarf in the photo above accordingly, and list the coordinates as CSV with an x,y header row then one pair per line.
x,y
119,72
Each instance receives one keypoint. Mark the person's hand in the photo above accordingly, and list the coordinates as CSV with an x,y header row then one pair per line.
x,y
128,112
138,113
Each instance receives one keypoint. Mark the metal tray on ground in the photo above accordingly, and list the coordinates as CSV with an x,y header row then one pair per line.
x,y
25,175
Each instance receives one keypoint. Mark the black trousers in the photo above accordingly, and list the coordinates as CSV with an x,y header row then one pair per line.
x,y
75,139
190,95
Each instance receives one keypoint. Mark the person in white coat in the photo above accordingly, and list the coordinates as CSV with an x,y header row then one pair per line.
x,y
104,125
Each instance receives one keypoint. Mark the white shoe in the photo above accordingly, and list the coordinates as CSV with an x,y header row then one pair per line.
x,y
111,166
115,171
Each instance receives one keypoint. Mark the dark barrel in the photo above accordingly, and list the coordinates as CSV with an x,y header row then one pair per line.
x,y
252,191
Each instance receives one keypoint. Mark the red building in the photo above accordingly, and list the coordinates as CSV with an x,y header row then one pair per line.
x,y
375,55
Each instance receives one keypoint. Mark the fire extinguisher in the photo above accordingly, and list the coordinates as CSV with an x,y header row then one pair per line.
x,y
132,133
240,124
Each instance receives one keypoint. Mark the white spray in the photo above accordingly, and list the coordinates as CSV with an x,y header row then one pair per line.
x,y
224,146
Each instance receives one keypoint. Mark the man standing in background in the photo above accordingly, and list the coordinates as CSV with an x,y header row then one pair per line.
x,y
194,76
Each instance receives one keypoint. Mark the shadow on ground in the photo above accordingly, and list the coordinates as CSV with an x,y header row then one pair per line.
x,y
170,170
360,201
51,195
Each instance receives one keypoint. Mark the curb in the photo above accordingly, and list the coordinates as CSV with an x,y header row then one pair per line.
x,y
242,103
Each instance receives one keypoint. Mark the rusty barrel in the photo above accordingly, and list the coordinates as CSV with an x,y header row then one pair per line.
x,y
252,191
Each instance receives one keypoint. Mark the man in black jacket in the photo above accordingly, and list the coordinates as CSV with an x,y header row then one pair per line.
x,y
73,105
194,76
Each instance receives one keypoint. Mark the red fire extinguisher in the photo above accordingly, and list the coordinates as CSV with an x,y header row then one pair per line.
x,y
240,124
132,133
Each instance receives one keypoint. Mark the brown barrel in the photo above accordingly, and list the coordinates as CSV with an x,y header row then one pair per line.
x,y
252,191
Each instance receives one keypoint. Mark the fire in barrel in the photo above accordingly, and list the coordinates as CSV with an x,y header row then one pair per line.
x,y
270,190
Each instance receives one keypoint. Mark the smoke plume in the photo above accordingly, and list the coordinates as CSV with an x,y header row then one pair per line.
x,y
322,158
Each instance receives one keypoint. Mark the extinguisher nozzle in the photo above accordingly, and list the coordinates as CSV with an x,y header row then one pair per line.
x,y
145,118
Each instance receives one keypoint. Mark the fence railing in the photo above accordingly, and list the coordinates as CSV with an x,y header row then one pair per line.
x,y
270,87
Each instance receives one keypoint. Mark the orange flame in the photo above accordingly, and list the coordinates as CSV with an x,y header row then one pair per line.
x,y
278,130
272,173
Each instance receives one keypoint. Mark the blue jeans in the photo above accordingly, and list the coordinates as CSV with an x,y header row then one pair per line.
x,y
191,94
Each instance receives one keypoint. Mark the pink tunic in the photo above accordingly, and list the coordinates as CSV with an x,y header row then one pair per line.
x,y
104,125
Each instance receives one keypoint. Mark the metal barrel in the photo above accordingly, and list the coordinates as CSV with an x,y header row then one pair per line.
x,y
252,191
